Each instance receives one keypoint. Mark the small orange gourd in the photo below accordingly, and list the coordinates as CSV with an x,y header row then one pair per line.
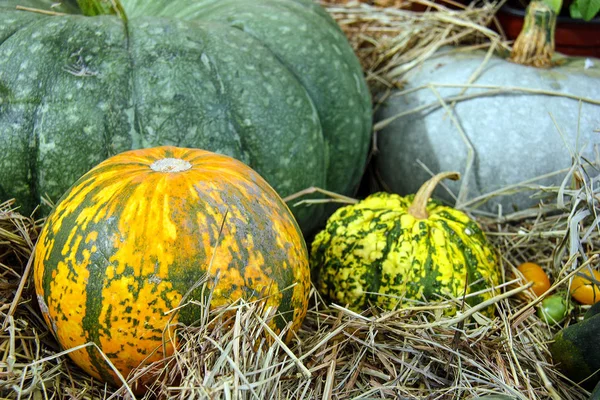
x,y
532,272
583,289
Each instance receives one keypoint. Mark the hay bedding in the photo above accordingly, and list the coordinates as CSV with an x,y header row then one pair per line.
x,y
411,353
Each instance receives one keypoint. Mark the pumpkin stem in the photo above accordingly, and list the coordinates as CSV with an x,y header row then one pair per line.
x,y
418,208
170,165
535,44
92,8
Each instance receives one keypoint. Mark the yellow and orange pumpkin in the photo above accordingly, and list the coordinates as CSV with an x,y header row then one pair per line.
x,y
131,238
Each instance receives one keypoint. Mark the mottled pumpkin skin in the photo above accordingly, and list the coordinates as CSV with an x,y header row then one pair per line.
x,y
494,131
375,252
272,83
126,243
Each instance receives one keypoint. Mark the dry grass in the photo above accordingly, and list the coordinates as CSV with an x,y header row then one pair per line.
x,y
410,353
390,41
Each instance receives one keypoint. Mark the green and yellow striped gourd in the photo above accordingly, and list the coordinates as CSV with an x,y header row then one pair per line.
x,y
387,249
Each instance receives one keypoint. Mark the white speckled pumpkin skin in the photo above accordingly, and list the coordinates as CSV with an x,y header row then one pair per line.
x,y
513,135
273,83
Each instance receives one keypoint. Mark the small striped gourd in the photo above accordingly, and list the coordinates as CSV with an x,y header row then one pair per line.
x,y
387,250
132,237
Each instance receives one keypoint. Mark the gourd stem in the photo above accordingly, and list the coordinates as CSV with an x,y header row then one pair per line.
x,y
92,8
418,208
535,44
170,165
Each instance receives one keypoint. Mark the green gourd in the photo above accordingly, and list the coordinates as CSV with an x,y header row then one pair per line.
x,y
389,250
509,128
272,83
575,352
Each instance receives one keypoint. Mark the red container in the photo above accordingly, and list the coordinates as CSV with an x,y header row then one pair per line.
x,y
573,37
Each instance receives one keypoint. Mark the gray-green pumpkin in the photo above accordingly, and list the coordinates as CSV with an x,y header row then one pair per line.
x,y
273,83
515,136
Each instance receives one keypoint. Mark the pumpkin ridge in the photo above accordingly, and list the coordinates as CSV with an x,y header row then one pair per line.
x,y
37,18
34,143
91,320
222,88
454,235
286,272
51,98
426,270
378,277
49,292
136,130
33,139
98,281
373,275
455,259
249,143
328,123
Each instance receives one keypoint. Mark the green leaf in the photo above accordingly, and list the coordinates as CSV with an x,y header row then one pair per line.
x,y
586,9
574,11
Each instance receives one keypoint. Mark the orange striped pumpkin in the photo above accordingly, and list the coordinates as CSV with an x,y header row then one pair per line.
x,y
132,236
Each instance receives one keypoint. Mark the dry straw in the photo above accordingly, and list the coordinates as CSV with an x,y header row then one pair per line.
x,y
412,353
389,41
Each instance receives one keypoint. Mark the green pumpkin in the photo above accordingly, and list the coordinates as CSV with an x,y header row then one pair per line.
x,y
514,143
575,351
273,83
387,250
511,126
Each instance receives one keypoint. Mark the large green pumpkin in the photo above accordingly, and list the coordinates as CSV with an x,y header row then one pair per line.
x,y
273,83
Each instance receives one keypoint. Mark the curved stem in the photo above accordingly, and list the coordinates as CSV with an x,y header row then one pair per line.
x,y
418,208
